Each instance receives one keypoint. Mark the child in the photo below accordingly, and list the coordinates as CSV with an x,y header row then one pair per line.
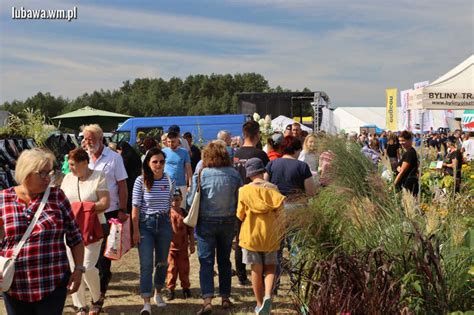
x,y
178,259
260,208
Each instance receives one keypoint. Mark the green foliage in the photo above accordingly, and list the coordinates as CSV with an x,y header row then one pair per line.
x,y
416,255
28,124
196,95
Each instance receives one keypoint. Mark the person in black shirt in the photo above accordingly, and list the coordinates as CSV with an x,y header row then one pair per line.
x,y
435,141
453,161
408,166
195,153
392,151
251,132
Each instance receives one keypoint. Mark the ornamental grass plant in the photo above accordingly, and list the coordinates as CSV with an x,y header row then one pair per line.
x,y
365,248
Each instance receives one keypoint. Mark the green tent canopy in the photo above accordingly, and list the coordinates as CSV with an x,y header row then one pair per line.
x,y
88,115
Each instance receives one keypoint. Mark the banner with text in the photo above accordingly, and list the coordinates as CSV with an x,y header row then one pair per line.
x,y
391,111
404,98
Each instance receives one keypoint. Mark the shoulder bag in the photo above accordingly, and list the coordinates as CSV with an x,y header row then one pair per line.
x,y
7,265
193,214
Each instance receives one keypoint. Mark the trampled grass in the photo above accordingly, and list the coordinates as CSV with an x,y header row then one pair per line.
x,y
123,297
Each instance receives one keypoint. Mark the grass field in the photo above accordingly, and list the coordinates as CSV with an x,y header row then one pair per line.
x,y
123,296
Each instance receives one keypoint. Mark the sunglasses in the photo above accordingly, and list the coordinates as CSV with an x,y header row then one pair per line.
x,y
44,174
161,162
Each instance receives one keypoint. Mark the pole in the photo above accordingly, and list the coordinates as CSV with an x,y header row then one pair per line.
x,y
421,156
318,103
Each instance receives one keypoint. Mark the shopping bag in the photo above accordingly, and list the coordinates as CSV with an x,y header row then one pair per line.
x,y
119,239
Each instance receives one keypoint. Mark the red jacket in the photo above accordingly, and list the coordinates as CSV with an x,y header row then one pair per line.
x,y
88,222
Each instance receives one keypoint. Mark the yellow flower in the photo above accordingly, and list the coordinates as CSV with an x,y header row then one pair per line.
x,y
471,271
443,212
425,207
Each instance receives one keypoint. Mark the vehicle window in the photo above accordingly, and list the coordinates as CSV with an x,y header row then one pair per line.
x,y
121,136
154,132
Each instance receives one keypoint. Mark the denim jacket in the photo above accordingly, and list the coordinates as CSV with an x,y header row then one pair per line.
x,y
219,191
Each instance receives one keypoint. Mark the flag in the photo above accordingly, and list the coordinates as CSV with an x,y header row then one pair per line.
x,y
391,111
404,107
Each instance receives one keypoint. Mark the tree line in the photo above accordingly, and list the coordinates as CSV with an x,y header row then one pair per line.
x,y
196,95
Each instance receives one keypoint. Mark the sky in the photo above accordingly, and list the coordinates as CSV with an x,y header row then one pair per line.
x,y
352,50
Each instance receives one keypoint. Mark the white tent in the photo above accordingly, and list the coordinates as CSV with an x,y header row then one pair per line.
x,y
350,119
280,123
453,90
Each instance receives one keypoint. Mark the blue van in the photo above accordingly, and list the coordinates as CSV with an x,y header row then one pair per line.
x,y
203,128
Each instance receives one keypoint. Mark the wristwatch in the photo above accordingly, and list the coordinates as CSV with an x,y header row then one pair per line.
x,y
81,268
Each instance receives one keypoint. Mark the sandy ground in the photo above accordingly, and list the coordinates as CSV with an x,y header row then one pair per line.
x,y
123,295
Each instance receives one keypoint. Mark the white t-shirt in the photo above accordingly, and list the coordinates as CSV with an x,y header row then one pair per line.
x,y
311,159
468,147
76,190
111,163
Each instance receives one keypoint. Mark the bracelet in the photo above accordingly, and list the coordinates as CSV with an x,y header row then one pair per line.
x,y
81,268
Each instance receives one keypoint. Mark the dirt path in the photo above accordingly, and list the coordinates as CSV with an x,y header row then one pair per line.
x,y
124,298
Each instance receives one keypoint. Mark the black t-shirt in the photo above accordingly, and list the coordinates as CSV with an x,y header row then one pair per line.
x,y
456,154
435,143
242,155
392,150
289,175
195,156
412,173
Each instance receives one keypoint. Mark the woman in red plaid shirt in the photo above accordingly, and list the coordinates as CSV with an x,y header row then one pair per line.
x,y
42,277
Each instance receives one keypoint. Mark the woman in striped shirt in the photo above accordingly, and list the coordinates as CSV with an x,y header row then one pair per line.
x,y
152,230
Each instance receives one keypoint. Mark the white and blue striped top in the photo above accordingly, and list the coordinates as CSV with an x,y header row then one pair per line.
x,y
155,201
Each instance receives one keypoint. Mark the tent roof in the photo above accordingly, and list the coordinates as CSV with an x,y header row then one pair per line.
x,y
280,123
90,112
88,115
453,90
458,78
369,115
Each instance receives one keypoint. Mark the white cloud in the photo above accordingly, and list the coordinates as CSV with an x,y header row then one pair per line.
x,y
352,62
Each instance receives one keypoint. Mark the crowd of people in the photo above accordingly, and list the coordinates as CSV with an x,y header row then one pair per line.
x,y
245,188
401,149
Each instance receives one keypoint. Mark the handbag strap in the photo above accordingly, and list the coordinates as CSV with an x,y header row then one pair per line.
x,y
78,190
198,189
25,236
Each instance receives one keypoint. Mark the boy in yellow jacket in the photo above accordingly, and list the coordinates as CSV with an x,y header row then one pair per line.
x,y
260,208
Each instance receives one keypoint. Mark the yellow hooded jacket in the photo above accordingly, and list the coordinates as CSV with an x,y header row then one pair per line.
x,y
260,208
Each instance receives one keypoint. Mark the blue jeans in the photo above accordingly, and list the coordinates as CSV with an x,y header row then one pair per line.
x,y
155,238
51,304
215,235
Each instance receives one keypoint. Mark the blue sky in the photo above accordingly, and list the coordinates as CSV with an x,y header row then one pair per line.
x,y
352,50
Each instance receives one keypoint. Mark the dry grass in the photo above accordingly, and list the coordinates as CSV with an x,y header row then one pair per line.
x,y
123,296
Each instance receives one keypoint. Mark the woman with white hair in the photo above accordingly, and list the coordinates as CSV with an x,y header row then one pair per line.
x,y
42,276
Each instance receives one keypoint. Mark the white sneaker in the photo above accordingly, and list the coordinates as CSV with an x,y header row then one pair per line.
x,y
159,300
146,310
